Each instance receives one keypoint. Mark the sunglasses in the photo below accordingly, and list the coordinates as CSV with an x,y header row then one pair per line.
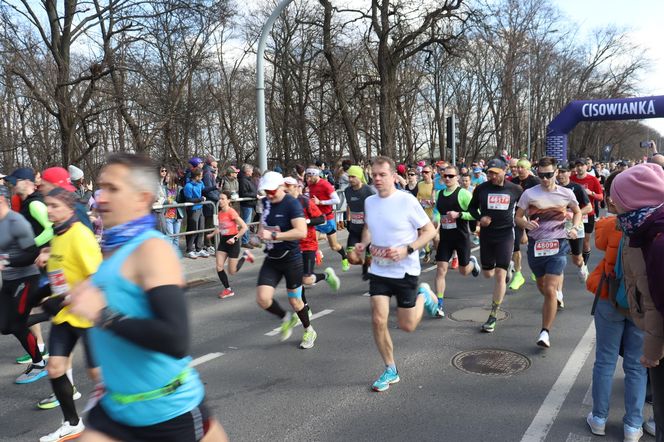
x,y
449,176
412,174
426,171
163,170
546,175
271,192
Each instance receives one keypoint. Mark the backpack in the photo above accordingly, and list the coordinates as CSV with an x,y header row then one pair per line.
x,y
180,198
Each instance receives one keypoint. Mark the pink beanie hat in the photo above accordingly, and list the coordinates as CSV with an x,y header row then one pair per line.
x,y
639,186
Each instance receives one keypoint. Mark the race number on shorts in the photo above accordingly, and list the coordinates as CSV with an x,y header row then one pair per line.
x,y
546,247
498,201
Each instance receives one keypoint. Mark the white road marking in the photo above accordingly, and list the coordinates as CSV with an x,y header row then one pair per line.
x,y
205,358
588,398
275,332
429,269
367,294
578,438
548,411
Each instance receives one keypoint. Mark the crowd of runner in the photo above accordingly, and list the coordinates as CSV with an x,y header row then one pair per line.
x,y
107,272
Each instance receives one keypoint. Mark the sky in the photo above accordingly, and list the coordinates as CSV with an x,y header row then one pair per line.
x,y
642,20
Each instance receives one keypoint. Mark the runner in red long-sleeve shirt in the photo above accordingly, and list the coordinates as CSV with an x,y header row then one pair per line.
x,y
595,193
324,196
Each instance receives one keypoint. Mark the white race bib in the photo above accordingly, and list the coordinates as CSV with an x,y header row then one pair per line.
x,y
357,217
546,247
447,223
58,283
585,219
379,255
498,201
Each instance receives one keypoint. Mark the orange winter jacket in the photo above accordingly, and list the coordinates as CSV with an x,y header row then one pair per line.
x,y
607,238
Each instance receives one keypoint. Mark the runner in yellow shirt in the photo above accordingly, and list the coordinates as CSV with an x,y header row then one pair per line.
x,y
74,256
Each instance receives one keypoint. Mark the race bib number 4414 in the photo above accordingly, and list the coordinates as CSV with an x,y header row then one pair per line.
x,y
498,201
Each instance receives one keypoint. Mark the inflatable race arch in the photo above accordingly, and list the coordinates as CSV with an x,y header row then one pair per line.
x,y
637,108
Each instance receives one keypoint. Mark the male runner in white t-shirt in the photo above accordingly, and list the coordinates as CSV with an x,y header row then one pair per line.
x,y
396,226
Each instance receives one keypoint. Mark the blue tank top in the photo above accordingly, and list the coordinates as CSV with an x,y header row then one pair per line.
x,y
128,368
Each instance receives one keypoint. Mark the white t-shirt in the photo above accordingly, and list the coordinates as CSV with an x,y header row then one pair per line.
x,y
393,222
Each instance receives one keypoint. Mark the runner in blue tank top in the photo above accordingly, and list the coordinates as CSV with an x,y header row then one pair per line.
x,y
141,334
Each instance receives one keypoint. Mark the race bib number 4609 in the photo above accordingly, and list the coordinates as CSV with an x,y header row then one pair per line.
x,y
546,247
498,201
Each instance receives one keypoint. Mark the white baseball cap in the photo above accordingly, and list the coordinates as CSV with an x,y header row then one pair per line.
x,y
271,181
75,173
291,181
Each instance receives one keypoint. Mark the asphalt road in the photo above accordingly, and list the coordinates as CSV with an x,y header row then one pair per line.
x,y
264,390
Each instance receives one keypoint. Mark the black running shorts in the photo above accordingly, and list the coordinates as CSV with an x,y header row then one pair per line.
x,y
63,339
273,270
308,262
496,251
188,427
232,250
589,227
405,289
447,246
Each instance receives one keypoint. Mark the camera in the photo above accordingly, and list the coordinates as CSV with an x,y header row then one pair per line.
x,y
645,144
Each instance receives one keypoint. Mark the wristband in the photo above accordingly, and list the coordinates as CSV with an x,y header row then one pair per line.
x,y
107,317
274,235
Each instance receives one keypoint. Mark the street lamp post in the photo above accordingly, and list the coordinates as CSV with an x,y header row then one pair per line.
x,y
260,84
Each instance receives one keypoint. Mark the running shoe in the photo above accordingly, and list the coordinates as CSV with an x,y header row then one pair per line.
x,y
26,359
248,256
332,279
52,402
65,432
97,393
476,240
490,325
632,434
430,306
388,377
427,257
287,324
203,254
455,263
319,257
32,374
597,425
517,281
227,293
650,427
583,273
510,272
308,338
192,255
476,266
345,265
441,308
543,339
533,278
559,298
211,250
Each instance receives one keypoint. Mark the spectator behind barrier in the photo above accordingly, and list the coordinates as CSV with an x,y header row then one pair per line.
x,y
638,196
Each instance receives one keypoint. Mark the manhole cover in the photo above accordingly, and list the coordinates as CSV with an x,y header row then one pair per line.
x,y
491,362
477,314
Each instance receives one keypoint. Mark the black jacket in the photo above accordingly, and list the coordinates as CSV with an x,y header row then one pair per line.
x,y
247,190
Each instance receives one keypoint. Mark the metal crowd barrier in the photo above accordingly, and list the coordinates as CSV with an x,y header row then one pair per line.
x,y
215,219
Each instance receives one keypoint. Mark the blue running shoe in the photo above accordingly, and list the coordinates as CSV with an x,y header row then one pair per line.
x,y
383,382
32,374
429,304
